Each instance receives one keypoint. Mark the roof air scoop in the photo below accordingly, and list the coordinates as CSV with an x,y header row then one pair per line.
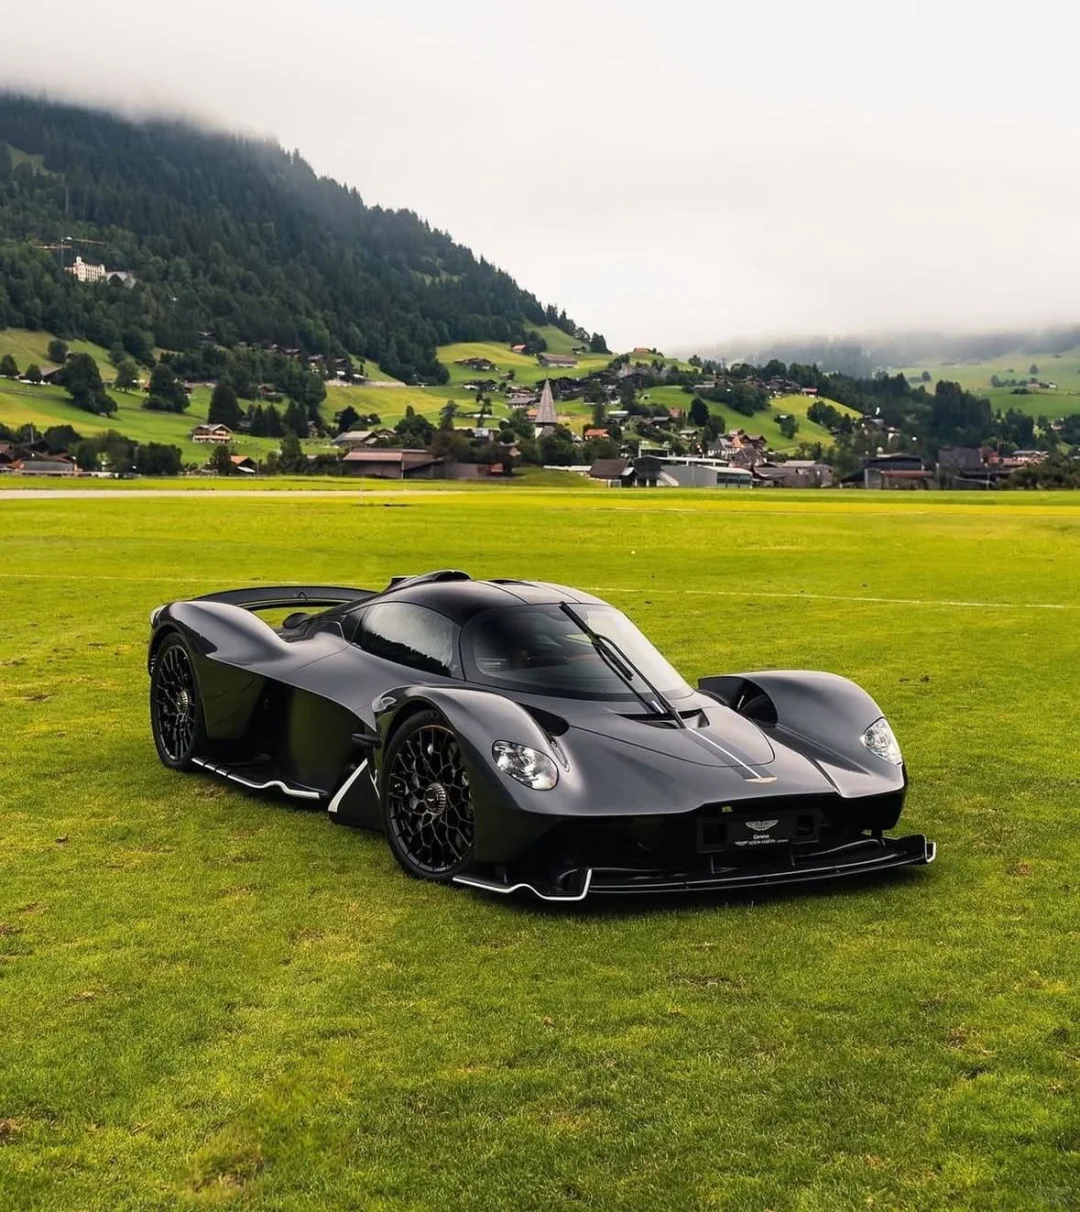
x,y
427,578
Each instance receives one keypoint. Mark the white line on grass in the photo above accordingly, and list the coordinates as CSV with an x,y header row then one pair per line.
x,y
837,597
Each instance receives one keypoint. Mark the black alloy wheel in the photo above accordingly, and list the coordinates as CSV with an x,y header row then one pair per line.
x,y
176,715
427,805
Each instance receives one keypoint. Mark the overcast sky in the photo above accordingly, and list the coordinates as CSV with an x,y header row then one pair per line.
x,y
671,173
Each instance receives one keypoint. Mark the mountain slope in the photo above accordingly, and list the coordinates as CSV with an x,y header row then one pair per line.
x,y
229,236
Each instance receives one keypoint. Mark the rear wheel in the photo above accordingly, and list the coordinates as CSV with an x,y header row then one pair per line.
x,y
176,714
426,801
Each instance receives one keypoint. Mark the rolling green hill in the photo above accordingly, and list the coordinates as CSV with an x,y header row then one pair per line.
x,y
43,406
1062,369
231,236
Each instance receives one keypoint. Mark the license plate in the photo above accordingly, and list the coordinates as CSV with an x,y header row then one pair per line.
x,y
761,831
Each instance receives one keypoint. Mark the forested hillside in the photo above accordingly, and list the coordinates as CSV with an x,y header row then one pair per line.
x,y
232,237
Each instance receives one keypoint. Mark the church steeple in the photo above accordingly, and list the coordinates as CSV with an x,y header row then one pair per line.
x,y
546,420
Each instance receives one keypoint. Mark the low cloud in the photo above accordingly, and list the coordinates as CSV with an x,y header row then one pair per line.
x,y
674,176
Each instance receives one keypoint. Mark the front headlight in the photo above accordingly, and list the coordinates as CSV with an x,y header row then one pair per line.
x,y
879,739
528,766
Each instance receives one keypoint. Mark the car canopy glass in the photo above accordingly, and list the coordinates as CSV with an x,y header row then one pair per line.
x,y
546,650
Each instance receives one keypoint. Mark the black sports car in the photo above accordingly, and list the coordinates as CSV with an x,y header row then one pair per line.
x,y
517,734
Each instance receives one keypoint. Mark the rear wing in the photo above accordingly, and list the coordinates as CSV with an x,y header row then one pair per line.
x,y
279,597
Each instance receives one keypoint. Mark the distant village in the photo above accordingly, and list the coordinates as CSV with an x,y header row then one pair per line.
x,y
629,442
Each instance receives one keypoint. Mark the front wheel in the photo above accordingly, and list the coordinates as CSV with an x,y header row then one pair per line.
x,y
176,713
426,801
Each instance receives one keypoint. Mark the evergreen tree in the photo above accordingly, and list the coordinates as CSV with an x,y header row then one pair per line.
x,y
346,419
57,351
274,426
699,412
296,419
224,409
9,368
33,373
237,238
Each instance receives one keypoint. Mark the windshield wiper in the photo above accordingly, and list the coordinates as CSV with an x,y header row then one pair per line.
x,y
624,668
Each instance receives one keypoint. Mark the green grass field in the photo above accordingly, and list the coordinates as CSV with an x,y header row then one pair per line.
x,y
1062,370
209,1000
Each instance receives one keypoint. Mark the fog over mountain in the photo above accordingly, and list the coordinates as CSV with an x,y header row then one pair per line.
x,y
676,174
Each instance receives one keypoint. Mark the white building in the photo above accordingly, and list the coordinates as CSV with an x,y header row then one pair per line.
x,y
85,272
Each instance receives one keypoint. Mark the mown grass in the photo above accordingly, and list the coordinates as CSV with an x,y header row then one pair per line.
x,y
211,1000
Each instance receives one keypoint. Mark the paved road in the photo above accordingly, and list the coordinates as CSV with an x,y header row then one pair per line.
x,y
88,494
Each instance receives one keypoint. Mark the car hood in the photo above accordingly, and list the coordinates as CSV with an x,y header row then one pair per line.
x,y
715,736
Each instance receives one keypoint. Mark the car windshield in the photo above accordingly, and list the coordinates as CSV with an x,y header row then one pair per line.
x,y
545,650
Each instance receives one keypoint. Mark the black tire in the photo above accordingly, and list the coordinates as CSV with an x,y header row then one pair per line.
x,y
176,712
426,802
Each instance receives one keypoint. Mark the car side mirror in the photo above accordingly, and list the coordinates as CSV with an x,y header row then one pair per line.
x,y
295,619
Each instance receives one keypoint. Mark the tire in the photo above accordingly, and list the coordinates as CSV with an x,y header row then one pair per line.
x,y
426,802
176,712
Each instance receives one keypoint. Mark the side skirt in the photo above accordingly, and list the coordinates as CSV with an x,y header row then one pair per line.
x,y
254,779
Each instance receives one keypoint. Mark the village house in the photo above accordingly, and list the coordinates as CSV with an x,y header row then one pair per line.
x,y
244,464
211,433
613,472
549,359
476,363
353,439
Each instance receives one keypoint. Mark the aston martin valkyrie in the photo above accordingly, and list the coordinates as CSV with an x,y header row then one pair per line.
x,y
509,734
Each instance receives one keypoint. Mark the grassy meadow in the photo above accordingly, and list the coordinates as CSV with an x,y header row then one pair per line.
x,y
1063,370
212,1000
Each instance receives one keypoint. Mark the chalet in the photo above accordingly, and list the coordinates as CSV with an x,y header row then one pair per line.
x,y
211,433
548,359
481,385
394,464
476,363
522,397
353,438
244,464
594,432
518,349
